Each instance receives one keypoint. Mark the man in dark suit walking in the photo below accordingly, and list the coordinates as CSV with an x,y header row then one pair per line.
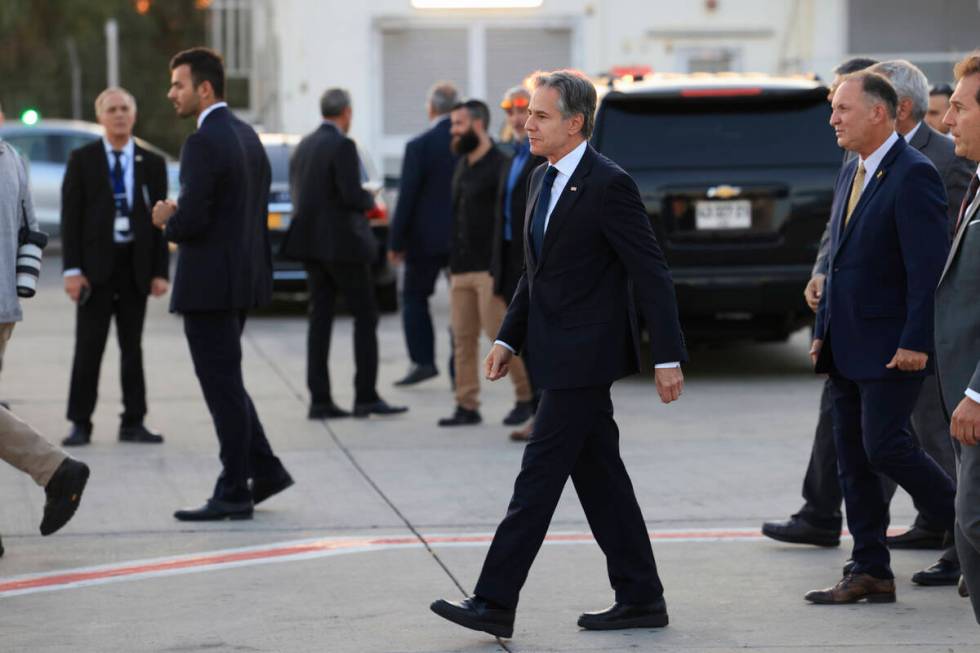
x,y
507,255
331,235
958,330
420,229
573,315
224,268
874,332
821,486
113,259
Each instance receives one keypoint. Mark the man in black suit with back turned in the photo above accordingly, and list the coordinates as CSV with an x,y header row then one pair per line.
x,y
574,317
113,259
331,235
224,268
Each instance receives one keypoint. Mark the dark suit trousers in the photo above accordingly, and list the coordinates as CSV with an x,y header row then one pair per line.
x,y
574,435
871,429
821,487
119,297
419,283
354,281
214,338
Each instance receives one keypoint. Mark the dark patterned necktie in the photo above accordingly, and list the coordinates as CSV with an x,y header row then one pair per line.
x,y
541,210
119,195
971,194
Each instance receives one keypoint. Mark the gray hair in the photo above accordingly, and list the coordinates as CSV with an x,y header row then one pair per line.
x,y
520,89
576,94
909,82
112,90
877,90
443,96
333,102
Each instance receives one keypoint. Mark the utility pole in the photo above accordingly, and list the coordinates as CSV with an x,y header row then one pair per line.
x,y
76,78
112,52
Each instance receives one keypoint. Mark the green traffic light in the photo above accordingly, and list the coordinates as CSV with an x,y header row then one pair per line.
x,y
30,117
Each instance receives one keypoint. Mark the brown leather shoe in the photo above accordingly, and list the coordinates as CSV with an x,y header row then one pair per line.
x,y
523,434
855,587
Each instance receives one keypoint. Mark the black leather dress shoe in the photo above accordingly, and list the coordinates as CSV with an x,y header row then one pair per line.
x,y
379,407
263,488
1,548
417,374
797,530
63,493
944,572
462,417
476,614
520,413
917,538
621,615
215,510
139,433
326,411
79,435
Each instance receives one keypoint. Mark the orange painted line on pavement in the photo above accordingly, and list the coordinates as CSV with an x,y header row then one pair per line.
x,y
307,549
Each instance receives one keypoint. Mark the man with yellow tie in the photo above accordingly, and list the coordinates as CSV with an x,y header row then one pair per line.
x,y
874,330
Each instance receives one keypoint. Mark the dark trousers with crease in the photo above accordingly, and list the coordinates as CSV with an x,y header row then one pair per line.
x,y
118,298
418,284
574,435
355,283
821,485
214,338
871,431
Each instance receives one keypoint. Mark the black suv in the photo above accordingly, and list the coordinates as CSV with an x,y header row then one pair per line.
x,y
737,175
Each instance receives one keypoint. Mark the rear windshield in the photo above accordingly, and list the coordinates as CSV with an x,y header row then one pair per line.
x,y
642,133
279,162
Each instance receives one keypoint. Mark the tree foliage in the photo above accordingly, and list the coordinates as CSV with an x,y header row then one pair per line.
x,y
35,70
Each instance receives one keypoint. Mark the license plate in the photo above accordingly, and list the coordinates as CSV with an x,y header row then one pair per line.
x,y
279,221
734,214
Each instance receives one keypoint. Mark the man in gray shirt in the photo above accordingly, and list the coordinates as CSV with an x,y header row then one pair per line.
x,y
62,477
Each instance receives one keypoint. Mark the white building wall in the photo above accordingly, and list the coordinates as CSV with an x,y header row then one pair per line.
x,y
326,43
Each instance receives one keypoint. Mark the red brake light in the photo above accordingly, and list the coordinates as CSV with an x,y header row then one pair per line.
x,y
720,92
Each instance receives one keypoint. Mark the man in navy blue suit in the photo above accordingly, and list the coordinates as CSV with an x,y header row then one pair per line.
x,y
574,319
224,268
874,330
420,229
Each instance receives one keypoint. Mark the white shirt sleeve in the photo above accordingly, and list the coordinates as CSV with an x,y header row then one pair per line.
x,y
505,345
73,272
973,394
661,366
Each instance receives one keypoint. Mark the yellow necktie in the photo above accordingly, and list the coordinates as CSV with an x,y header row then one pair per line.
x,y
856,189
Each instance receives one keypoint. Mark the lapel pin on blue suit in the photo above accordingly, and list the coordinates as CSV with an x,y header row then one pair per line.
x,y
881,173
573,189
138,158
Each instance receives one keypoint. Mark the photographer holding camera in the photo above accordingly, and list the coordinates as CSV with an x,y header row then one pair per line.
x,y
63,478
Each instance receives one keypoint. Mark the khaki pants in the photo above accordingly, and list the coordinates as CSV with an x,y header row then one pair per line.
x,y
21,445
474,307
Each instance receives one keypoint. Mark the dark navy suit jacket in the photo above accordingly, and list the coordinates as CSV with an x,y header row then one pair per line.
x,y
422,223
884,267
573,315
224,261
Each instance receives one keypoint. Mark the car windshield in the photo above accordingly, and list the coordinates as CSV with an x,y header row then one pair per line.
x,y
279,160
642,133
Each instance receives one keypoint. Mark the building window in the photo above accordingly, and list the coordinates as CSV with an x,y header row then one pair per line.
x,y
230,32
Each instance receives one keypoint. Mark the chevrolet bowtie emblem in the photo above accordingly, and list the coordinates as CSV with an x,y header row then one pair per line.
x,y
724,192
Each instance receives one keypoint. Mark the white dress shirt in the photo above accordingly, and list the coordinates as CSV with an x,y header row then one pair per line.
x,y
911,133
206,112
566,166
126,161
874,159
